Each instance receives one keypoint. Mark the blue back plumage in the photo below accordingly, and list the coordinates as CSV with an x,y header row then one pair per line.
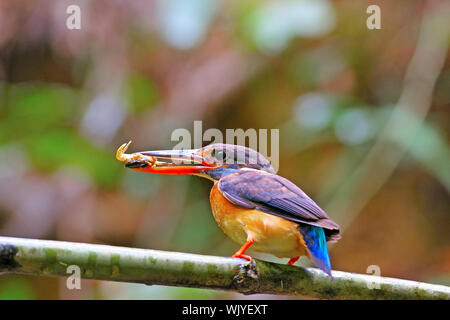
x,y
316,244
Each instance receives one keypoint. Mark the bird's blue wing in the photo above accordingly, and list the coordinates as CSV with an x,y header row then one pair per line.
x,y
276,195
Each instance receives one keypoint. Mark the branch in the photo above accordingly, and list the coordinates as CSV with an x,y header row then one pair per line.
x,y
101,262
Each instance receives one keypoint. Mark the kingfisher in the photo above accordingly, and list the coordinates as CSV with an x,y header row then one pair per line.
x,y
253,205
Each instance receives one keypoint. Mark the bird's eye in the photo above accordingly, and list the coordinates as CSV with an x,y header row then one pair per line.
x,y
219,154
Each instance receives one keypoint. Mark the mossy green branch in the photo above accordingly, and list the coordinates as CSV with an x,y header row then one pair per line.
x,y
52,258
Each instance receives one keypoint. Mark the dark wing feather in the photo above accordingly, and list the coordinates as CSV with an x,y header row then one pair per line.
x,y
276,195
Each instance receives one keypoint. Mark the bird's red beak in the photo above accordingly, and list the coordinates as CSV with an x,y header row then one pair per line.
x,y
164,161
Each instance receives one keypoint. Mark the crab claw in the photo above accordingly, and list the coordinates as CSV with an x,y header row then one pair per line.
x,y
134,160
121,155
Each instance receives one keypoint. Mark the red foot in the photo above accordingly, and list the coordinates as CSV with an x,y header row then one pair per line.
x,y
243,256
240,252
292,261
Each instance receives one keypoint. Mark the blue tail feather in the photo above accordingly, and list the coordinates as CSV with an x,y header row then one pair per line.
x,y
316,244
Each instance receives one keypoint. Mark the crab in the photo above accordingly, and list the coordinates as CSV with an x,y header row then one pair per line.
x,y
134,160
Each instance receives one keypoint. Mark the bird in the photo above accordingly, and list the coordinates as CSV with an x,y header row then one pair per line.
x,y
253,205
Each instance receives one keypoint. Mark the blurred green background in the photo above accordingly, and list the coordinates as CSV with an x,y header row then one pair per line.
x,y
363,118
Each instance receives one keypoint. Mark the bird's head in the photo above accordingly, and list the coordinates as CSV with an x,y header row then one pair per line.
x,y
213,161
